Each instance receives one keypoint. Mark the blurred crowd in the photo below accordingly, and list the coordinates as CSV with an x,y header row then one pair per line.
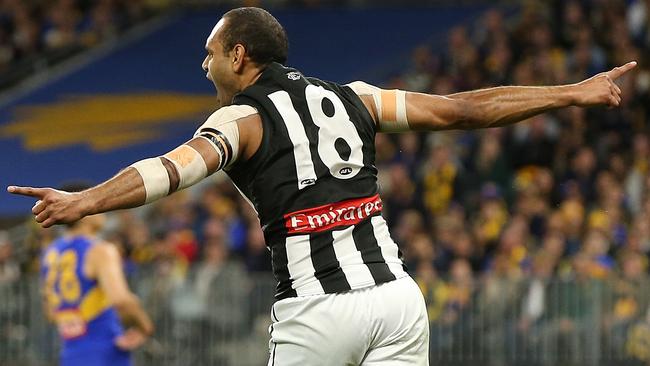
x,y
37,33
524,220
534,236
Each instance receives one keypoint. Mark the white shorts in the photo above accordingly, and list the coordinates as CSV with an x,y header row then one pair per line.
x,y
379,325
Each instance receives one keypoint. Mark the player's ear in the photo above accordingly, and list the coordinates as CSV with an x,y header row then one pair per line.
x,y
238,55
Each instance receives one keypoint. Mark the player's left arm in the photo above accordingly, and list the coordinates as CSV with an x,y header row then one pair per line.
x,y
104,263
399,111
216,145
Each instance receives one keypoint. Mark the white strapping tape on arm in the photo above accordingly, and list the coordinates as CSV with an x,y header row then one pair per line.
x,y
222,131
389,104
189,164
155,178
400,95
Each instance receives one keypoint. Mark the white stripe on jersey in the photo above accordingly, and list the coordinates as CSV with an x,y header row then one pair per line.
x,y
356,272
389,249
301,269
301,153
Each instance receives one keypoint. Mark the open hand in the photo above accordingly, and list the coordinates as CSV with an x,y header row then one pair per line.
x,y
601,89
54,206
131,339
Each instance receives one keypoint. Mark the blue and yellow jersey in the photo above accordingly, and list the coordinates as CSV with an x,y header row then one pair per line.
x,y
87,323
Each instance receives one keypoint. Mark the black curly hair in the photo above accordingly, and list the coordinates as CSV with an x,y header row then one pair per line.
x,y
259,32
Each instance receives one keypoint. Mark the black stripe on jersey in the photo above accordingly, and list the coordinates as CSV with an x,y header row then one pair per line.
x,y
281,271
327,268
366,243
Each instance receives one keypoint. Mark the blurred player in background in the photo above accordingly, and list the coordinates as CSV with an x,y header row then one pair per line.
x,y
84,291
302,151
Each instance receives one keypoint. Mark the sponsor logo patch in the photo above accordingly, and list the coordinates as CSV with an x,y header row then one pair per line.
x,y
322,218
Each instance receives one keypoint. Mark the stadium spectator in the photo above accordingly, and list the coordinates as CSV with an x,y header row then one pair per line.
x,y
34,34
211,300
498,298
9,269
629,300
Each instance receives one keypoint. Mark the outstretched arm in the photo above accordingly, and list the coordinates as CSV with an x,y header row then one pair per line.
x,y
396,111
127,189
215,145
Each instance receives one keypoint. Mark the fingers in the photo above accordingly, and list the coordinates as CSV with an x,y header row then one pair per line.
x,y
40,211
42,217
130,340
28,191
39,206
53,207
122,342
614,99
45,219
616,72
47,223
616,96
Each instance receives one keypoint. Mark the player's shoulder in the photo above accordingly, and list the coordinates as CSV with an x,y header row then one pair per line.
x,y
102,251
361,87
55,247
231,113
49,252
101,254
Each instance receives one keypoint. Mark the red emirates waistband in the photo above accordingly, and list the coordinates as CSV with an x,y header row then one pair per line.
x,y
326,217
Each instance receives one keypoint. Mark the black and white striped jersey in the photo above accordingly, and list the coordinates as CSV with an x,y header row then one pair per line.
x,y
313,183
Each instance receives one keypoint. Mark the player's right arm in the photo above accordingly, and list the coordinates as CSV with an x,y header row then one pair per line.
x,y
217,144
105,264
398,111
